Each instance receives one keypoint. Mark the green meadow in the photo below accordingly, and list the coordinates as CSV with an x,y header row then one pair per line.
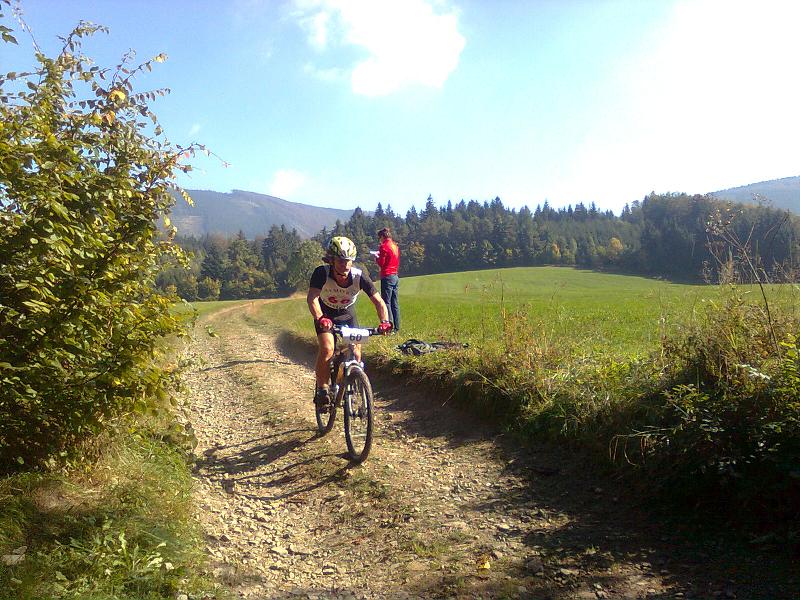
x,y
619,316
589,311
202,308
593,311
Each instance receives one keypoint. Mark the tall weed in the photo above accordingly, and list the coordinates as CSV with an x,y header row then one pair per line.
x,y
729,432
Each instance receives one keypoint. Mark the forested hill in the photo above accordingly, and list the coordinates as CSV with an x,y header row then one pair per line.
x,y
254,214
780,193
672,235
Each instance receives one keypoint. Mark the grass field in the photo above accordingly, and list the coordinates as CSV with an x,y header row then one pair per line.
x,y
595,311
202,308
620,316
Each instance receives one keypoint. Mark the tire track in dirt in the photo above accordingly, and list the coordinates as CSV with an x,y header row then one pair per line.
x,y
443,508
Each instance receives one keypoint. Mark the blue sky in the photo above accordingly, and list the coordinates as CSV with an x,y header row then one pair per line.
x,y
345,103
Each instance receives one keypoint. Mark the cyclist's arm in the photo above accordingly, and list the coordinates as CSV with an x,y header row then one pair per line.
x,y
380,307
313,302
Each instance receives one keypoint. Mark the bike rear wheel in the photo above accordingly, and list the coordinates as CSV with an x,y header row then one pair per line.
x,y
326,418
358,415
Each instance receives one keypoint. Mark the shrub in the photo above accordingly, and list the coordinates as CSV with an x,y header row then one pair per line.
x,y
81,188
727,431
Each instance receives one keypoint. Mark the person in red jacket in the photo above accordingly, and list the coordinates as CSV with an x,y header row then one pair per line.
x,y
388,260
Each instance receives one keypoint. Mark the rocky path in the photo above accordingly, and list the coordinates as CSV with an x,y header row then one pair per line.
x,y
443,508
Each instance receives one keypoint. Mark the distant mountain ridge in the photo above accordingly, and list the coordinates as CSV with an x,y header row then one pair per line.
x,y
249,212
254,214
781,193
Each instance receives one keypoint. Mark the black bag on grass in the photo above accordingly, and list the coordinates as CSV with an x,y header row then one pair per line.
x,y
418,347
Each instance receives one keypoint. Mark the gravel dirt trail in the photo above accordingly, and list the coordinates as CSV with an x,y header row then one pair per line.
x,y
443,508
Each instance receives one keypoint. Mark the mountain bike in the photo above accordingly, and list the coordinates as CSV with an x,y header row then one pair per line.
x,y
349,388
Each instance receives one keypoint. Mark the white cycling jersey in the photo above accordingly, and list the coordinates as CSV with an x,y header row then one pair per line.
x,y
337,297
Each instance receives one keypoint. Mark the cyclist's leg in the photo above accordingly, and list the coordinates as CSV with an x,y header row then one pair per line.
x,y
326,346
324,404
324,355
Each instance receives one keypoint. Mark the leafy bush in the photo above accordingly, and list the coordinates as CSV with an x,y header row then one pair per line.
x,y
82,186
730,426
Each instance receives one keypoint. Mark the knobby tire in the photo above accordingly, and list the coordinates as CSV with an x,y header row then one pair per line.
x,y
358,418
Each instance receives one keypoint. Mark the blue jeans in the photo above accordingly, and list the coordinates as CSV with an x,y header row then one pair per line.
x,y
389,285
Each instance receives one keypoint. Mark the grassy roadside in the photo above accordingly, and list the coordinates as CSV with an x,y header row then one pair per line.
x,y
118,525
119,528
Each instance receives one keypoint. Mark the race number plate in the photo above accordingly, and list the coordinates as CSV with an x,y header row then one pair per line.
x,y
355,335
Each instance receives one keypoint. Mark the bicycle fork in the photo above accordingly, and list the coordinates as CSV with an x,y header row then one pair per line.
x,y
356,408
338,379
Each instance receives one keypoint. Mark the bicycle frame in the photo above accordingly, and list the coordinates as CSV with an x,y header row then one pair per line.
x,y
344,357
350,388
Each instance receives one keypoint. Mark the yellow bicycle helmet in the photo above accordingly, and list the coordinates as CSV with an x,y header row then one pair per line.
x,y
342,247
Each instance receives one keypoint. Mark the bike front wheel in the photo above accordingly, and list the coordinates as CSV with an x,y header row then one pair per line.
x,y
358,415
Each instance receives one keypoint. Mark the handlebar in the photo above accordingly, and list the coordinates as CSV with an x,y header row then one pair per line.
x,y
343,330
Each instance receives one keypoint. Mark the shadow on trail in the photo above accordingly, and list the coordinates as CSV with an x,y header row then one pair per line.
x,y
217,448
235,363
242,465
574,508
245,467
579,520
296,349
220,463
298,492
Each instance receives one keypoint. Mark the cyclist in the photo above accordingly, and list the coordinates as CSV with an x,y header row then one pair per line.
x,y
332,294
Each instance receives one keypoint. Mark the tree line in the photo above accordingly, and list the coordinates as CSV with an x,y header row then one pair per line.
x,y
666,235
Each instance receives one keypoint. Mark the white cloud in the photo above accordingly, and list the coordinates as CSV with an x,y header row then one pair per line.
x,y
329,75
407,42
195,129
286,182
711,103
318,26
